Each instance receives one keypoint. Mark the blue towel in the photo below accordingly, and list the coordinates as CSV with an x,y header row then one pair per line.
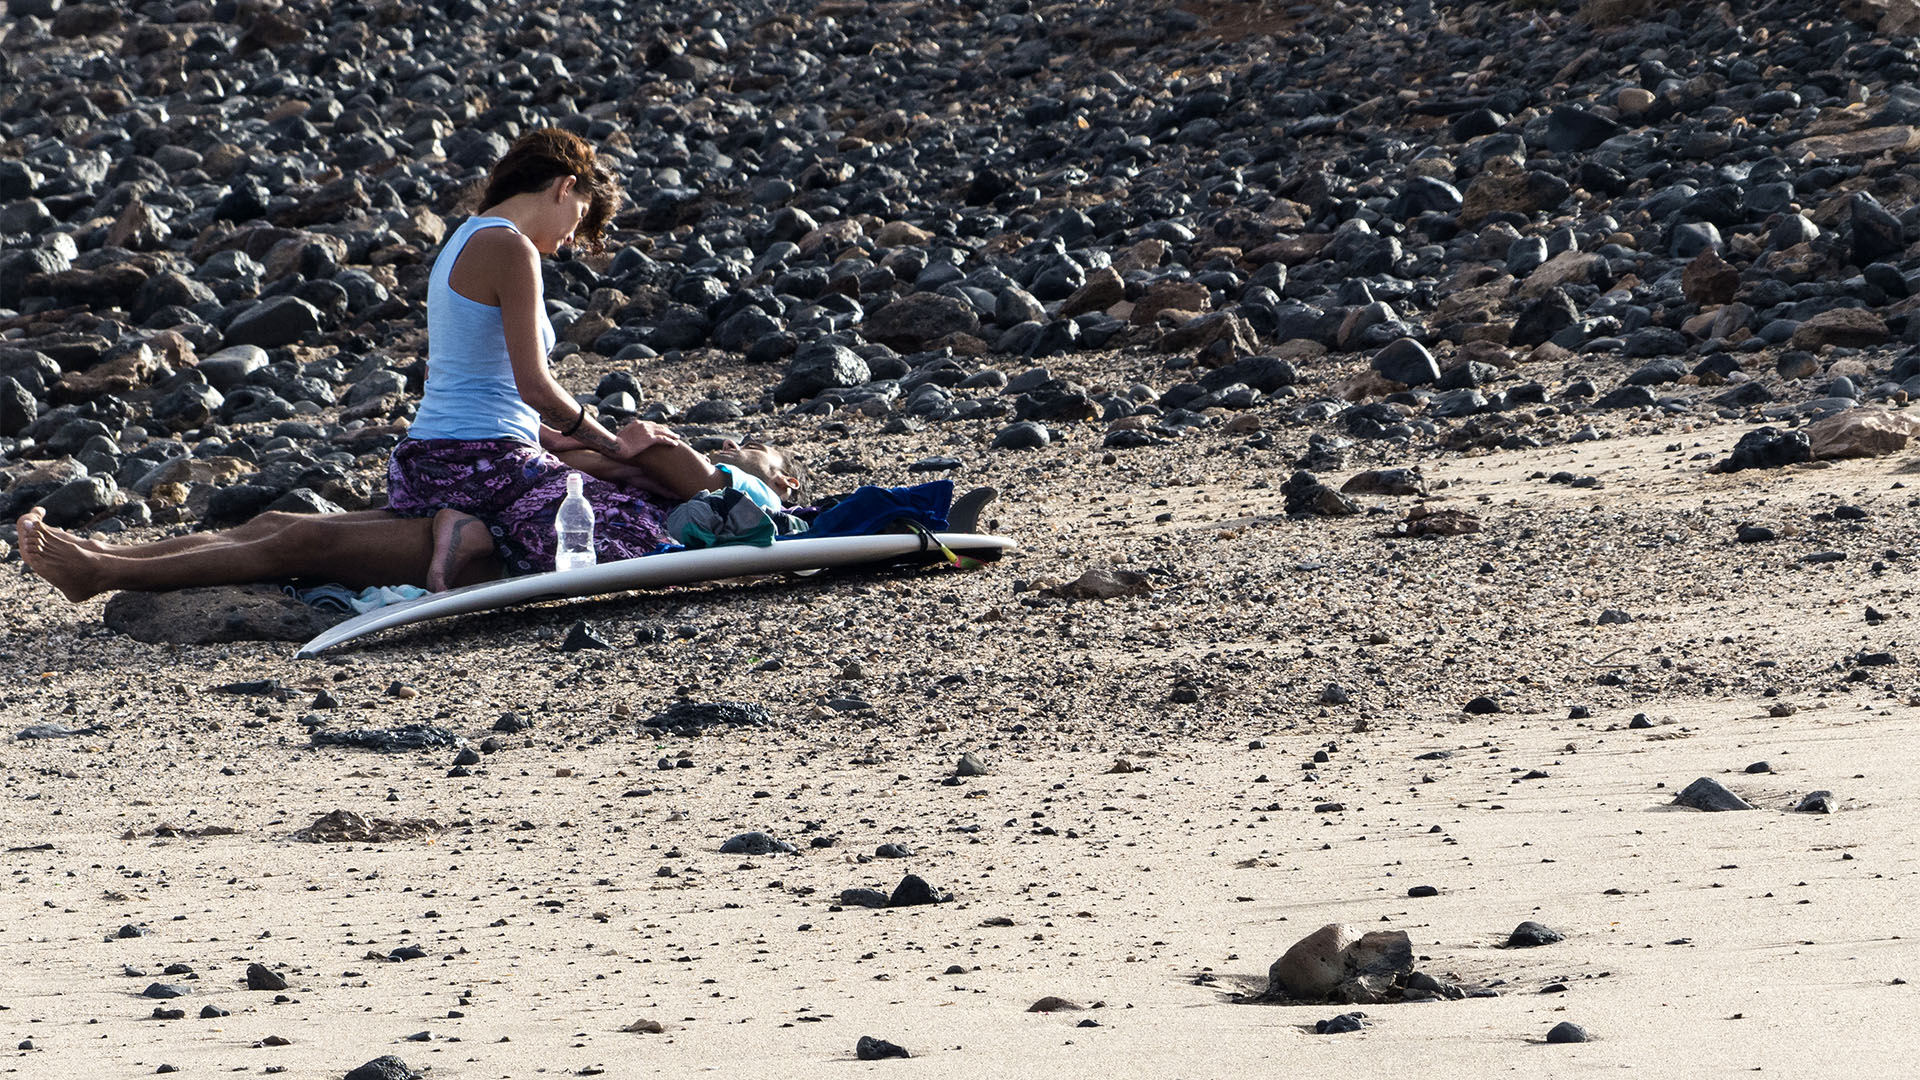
x,y
871,509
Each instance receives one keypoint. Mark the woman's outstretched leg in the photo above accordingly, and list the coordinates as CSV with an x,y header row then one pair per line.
x,y
353,549
58,557
255,528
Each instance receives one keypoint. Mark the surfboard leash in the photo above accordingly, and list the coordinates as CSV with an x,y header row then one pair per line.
x,y
957,561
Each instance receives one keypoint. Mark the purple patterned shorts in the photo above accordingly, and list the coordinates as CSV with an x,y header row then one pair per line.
x,y
516,488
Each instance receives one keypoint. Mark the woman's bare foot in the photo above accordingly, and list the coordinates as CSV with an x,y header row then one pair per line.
x,y
458,539
58,557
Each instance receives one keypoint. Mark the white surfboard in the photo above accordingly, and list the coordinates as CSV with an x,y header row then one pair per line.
x,y
656,571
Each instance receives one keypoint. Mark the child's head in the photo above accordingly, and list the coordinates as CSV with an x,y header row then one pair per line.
x,y
783,472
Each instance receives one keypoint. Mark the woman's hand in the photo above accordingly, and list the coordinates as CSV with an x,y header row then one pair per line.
x,y
641,435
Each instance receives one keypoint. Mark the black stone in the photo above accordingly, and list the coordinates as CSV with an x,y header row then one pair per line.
x,y
1474,123
1816,802
1340,1025
282,320
1708,794
302,501
872,1049
1767,448
1665,370
1531,935
262,977
79,501
1406,361
1542,319
1263,373
403,738
1572,129
1877,233
914,891
1023,435
1567,1031
822,365
1625,397
388,1067
696,715
1305,494
755,843
18,408
581,637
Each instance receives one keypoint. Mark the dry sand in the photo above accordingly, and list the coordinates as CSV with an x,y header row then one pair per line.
x,y
579,888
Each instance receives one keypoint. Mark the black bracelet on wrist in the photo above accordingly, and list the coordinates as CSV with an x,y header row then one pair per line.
x,y
577,421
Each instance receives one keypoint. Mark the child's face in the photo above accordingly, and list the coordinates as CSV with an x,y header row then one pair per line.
x,y
761,460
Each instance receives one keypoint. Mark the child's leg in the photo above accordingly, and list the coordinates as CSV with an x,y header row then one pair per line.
x,y
596,464
672,470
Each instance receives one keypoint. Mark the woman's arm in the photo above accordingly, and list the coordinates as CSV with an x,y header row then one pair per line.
x,y
555,443
516,283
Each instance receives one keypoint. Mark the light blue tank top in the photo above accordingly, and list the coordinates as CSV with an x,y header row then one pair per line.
x,y
470,392
753,488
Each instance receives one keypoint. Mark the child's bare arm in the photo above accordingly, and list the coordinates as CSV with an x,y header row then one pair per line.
x,y
596,464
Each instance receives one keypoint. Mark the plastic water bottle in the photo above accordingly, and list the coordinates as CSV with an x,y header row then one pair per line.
x,y
573,528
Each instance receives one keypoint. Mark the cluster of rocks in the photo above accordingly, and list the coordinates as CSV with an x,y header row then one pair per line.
x,y
1710,796
1428,221
1336,963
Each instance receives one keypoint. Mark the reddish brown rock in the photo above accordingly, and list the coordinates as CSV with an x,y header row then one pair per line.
x,y
1169,295
1862,143
1862,433
1502,185
1102,290
1566,268
1710,279
1216,336
136,229
131,368
1852,328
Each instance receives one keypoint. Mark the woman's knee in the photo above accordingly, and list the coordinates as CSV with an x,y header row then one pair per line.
x,y
315,530
265,524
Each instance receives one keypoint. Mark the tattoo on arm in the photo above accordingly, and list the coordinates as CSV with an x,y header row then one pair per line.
x,y
590,434
596,437
560,417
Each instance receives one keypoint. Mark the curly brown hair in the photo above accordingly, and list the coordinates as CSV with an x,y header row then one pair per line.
x,y
543,155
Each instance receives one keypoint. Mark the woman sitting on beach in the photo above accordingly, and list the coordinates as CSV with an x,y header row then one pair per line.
x,y
479,458
475,486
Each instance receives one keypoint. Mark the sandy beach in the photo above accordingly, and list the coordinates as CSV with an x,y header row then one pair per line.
x,y
1448,444
576,887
